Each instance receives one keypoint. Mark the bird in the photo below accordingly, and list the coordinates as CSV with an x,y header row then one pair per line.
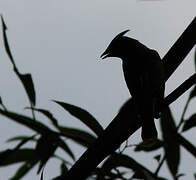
x,y
144,76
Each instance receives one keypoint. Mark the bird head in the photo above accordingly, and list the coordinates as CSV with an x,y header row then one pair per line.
x,y
117,47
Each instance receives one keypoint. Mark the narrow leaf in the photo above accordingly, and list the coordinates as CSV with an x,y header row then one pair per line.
x,y
6,44
65,147
10,157
1,102
154,147
34,125
172,148
19,138
26,121
48,114
180,175
26,79
186,144
27,82
192,93
121,160
83,116
24,141
82,137
24,169
190,123
63,168
195,58
45,148
42,175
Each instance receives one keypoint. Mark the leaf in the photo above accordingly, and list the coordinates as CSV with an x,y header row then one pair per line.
x,y
1,102
34,125
83,116
9,157
63,168
180,175
45,148
18,138
42,175
82,137
65,147
154,147
24,141
172,147
26,79
186,144
26,121
6,44
24,169
195,58
157,157
121,160
47,113
192,93
190,123
27,82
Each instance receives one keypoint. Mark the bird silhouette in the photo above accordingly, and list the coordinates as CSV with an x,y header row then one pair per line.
x,y
144,76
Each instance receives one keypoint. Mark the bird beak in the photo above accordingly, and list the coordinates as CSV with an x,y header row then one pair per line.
x,y
105,55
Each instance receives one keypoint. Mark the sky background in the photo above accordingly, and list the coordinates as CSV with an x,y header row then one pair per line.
x,y
60,42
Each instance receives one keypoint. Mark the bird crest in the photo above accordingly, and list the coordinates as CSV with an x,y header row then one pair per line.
x,y
121,34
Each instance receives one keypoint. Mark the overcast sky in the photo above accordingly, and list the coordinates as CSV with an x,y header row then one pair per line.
x,y
59,43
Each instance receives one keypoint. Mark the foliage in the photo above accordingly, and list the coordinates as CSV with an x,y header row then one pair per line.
x,y
48,140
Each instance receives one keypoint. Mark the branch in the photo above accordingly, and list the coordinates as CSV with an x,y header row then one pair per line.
x,y
180,49
180,90
126,121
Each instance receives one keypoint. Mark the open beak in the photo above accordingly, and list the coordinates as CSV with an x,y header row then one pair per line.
x,y
105,55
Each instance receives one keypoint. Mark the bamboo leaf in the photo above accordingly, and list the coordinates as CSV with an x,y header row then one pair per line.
x,y
1,102
24,141
18,138
83,116
42,175
192,93
26,79
190,123
24,169
36,126
82,137
26,121
172,147
9,157
186,144
65,147
27,82
121,160
154,147
6,44
195,58
47,113
45,148
63,168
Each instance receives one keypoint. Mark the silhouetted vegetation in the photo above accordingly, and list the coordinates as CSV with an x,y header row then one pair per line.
x,y
101,143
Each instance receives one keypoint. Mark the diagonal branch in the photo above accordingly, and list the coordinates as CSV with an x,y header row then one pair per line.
x,y
180,90
180,49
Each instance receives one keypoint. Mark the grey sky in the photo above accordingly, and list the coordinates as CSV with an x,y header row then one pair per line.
x,y
59,43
